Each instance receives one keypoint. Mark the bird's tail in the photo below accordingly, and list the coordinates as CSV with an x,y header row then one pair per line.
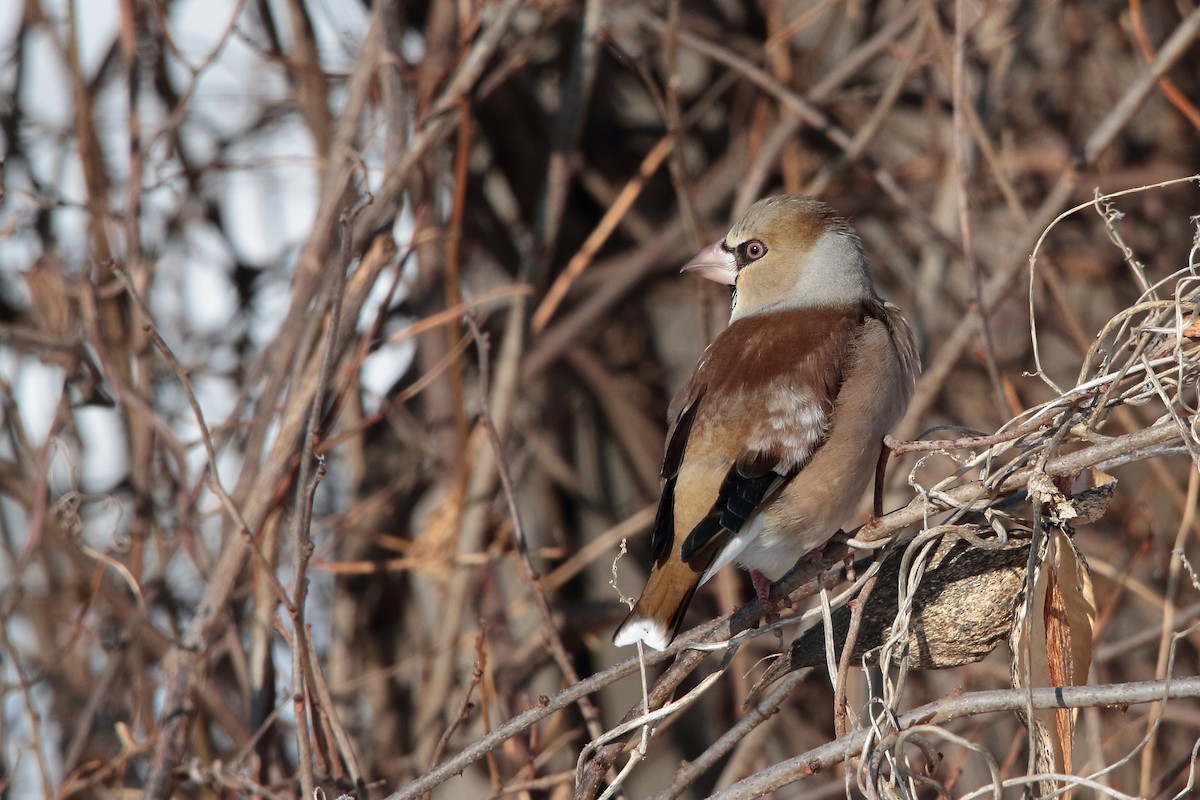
x,y
658,614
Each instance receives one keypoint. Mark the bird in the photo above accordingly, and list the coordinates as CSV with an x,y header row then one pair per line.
x,y
774,439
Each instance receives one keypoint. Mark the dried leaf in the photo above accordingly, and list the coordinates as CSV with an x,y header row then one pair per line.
x,y
1054,647
50,297
1192,331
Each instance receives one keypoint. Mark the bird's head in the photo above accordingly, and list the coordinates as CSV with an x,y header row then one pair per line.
x,y
787,252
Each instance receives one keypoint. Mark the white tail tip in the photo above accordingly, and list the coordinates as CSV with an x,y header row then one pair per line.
x,y
635,629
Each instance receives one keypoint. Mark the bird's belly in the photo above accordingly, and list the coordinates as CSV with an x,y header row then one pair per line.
x,y
773,540
777,548
805,515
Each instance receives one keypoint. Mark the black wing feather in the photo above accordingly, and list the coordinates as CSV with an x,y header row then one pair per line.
x,y
748,484
664,524
679,439
663,531
739,496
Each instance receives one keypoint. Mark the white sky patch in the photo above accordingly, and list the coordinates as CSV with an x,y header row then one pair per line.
x,y
270,307
36,386
97,25
193,295
340,29
210,299
269,203
382,369
44,95
199,142
103,463
233,88
412,46
198,29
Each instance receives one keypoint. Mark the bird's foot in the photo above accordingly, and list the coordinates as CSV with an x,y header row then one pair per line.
x,y
770,608
762,588
816,556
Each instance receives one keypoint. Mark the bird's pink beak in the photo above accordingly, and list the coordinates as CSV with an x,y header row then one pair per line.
x,y
715,263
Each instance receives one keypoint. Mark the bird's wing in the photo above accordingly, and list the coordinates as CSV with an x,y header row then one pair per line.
x,y
903,340
758,408
664,521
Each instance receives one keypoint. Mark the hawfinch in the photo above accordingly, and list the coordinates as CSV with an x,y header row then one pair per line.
x,y
776,436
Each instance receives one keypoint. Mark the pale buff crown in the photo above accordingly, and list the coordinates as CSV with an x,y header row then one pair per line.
x,y
813,258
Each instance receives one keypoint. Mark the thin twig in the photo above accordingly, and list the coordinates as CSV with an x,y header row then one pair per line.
x,y
591,714
1113,695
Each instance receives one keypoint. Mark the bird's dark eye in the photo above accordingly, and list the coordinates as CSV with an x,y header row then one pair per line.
x,y
754,250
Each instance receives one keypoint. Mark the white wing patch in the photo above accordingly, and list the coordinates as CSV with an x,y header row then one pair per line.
x,y
794,422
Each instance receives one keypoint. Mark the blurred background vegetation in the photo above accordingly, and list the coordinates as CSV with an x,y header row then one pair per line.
x,y
336,341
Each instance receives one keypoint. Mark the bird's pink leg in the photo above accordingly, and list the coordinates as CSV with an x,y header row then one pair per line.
x,y
762,588
770,613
